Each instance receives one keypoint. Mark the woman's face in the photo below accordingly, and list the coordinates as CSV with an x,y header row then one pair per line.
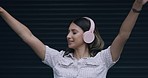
x,y
75,36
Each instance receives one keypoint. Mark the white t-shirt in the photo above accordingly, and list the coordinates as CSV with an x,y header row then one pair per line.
x,y
69,67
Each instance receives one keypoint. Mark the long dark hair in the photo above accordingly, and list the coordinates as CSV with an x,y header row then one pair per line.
x,y
94,47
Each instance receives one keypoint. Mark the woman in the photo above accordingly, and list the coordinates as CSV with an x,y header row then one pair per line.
x,y
84,57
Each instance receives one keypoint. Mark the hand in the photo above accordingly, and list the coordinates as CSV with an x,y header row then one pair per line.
x,y
1,10
145,1
138,4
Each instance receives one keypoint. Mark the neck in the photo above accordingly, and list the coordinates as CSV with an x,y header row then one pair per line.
x,y
81,52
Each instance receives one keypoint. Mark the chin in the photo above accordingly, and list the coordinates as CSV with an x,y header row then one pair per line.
x,y
70,46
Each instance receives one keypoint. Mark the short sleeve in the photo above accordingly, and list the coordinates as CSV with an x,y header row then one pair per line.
x,y
51,56
107,57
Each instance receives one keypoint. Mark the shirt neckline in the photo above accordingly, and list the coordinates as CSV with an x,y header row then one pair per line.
x,y
71,56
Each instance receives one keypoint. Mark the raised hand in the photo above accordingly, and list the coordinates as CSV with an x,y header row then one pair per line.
x,y
1,9
138,4
145,1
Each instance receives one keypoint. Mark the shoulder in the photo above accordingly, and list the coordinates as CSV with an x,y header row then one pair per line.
x,y
104,52
54,52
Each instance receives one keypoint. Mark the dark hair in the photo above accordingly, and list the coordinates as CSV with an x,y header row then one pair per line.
x,y
94,47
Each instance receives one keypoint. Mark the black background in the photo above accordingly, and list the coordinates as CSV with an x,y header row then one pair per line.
x,y
49,21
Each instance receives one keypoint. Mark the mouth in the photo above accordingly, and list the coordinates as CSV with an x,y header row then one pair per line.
x,y
70,42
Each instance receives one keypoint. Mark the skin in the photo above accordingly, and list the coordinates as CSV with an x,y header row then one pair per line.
x,y
125,30
39,48
75,41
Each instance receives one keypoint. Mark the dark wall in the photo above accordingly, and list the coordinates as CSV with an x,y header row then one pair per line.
x,y
49,20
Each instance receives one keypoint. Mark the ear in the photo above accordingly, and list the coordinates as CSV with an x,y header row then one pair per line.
x,y
88,37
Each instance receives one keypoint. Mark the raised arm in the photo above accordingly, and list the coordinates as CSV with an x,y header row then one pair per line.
x,y
126,28
24,33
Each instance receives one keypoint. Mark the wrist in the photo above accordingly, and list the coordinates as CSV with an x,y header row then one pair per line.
x,y
135,10
2,12
137,6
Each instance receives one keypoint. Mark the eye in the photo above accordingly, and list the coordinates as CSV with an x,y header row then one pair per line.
x,y
74,32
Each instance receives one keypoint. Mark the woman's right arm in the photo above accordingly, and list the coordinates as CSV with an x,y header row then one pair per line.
x,y
24,33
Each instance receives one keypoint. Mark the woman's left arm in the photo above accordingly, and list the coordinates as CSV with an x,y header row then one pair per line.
x,y
126,28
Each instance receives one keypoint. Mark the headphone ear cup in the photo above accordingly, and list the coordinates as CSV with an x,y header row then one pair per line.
x,y
88,37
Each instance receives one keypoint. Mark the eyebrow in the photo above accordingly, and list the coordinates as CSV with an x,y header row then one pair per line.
x,y
72,29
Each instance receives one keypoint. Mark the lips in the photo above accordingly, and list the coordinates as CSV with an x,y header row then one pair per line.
x,y
70,42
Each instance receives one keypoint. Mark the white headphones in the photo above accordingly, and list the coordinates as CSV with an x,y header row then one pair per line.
x,y
89,36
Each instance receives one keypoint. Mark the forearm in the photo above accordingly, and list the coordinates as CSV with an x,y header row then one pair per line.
x,y
128,24
18,27
130,21
24,33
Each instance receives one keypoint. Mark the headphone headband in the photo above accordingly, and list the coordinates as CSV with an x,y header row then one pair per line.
x,y
92,24
89,36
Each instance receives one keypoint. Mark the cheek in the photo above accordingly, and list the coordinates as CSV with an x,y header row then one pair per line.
x,y
80,39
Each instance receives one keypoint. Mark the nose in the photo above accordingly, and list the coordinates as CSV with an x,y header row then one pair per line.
x,y
68,36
